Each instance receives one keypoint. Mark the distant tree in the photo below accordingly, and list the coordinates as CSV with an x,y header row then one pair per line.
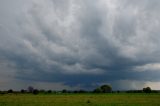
x,y
49,91
54,92
30,89
10,91
35,91
22,91
147,90
118,91
75,91
106,88
134,91
42,91
64,91
97,90
103,89
82,91
155,91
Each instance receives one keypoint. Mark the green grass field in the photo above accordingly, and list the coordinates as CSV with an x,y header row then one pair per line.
x,y
80,100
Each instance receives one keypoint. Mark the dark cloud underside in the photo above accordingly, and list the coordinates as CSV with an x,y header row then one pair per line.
x,y
80,43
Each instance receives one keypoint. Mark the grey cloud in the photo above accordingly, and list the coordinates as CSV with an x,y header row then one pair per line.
x,y
80,42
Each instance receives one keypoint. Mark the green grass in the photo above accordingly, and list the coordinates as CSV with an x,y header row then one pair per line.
x,y
80,100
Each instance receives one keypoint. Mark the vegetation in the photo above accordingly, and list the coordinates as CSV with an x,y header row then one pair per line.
x,y
147,90
101,96
30,89
103,89
85,99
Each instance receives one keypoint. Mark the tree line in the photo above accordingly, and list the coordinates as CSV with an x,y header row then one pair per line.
x,y
101,89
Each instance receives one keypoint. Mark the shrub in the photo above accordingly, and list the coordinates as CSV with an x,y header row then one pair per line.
x,y
147,90
35,91
10,91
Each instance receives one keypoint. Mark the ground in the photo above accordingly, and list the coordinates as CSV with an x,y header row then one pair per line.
x,y
122,99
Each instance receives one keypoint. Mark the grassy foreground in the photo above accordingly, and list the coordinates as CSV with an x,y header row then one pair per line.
x,y
80,100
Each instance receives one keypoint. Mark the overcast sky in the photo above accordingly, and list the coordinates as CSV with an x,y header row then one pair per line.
x,y
79,44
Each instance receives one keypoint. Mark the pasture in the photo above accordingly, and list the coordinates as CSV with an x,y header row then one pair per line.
x,y
115,99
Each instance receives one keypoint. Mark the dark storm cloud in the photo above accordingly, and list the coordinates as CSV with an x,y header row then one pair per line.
x,y
80,43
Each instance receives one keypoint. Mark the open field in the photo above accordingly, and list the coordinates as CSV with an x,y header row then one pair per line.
x,y
80,100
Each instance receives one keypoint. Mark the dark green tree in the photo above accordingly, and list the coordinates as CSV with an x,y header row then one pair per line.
x,y
98,90
147,90
64,91
10,91
103,89
22,91
106,88
30,89
35,91
49,91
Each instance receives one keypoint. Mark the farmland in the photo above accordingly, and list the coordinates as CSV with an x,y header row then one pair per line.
x,y
86,99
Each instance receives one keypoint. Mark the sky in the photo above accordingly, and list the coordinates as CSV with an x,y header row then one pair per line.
x,y
79,44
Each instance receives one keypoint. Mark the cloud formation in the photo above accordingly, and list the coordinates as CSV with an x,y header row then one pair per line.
x,y
80,43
